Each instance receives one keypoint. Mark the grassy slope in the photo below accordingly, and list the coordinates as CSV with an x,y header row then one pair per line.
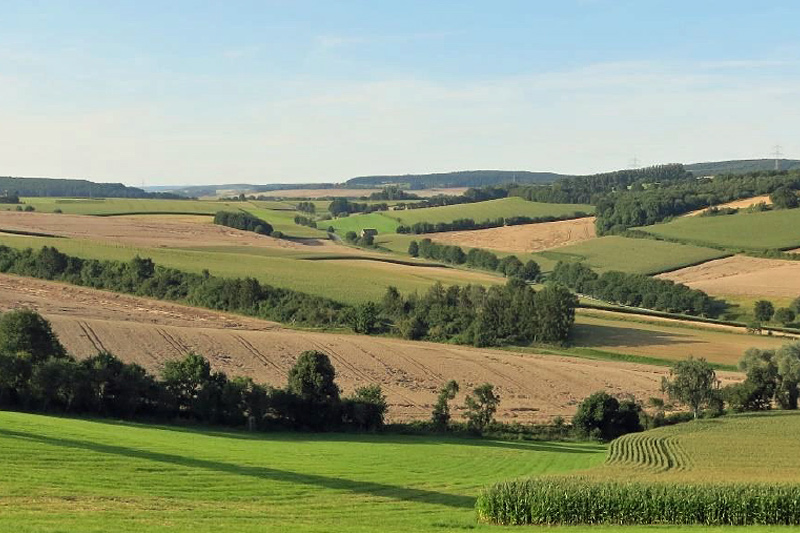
x,y
761,231
387,221
357,282
641,256
737,448
75,475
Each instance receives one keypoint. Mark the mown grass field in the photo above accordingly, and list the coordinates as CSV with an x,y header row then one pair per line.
x,y
778,229
348,279
387,221
640,256
95,476
753,447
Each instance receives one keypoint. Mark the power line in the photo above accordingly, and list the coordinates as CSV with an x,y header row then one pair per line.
x,y
777,151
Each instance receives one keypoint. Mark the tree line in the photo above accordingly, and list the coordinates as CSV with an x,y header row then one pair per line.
x,y
510,266
342,206
57,187
37,374
635,290
301,220
461,224
244,221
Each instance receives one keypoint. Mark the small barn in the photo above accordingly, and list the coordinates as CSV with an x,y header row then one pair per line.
x,y
368,231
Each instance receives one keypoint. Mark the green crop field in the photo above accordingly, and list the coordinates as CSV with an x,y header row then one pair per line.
x,y
641,256
379,221
93,476
778,229
349,279
736,448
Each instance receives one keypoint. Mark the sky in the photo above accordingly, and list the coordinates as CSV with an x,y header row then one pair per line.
x,y
191,92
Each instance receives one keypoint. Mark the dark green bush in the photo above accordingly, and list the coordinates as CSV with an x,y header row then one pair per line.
x,y
242,220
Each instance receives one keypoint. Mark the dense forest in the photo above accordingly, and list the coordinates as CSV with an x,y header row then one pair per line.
x,y
55,187
467,178
620,211
591,189
635,290
36,373
244,221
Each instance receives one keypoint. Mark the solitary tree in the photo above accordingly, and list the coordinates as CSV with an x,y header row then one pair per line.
x,y
26,331
785,316
413,249
441,411
763,310
692,382
603,416
312,378
481,407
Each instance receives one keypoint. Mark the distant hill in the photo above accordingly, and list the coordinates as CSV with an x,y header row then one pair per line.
x,y
466,178
740,166
61,187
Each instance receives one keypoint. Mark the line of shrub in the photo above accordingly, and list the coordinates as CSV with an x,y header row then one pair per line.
x,y
510,266
300,220
469,224
243,221
557,501
142,277
635,290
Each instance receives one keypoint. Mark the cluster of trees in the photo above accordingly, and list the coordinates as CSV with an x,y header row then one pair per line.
x,y
622,210
305,221
367,240
590,189
784,198
479,407
343,207
307,207
635,290
37,374
764,311
243,220
393,193
472,314
55,187
461,224
142,277
510,266
773,377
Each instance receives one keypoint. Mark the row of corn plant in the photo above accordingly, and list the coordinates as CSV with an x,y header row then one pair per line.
x,y
553,501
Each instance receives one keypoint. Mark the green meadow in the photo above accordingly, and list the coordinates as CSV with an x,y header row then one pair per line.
x,y
779,229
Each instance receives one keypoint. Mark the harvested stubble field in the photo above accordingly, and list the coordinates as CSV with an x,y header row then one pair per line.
x,y
524,238
742,276
667,339
737,204
533,387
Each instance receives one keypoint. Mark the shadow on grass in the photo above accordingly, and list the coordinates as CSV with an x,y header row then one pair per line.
x,y
357,487
598,336
388,438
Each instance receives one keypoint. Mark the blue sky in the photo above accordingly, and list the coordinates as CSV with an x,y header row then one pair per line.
x,y
290,91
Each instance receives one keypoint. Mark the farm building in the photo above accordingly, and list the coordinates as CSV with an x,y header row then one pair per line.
x,y
368,231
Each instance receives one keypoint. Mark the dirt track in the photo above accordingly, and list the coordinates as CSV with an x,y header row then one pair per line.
x,y
523,238
532,387
742,275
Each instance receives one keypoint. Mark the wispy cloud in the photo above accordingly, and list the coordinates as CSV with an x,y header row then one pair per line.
x,y
338,41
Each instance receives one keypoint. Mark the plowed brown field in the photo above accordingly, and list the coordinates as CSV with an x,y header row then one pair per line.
x,y
523,238
742,275
532,387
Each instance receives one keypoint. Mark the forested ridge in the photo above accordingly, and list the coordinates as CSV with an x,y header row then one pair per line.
x,y
58,187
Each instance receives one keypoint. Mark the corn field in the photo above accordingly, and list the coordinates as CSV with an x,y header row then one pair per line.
x,y
561,501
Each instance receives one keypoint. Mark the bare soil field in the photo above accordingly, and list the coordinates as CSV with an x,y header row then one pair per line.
x,y
532,387
738,204
523,238
352,193
742,276
171,231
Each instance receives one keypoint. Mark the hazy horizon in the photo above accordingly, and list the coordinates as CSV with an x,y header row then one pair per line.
x,y
289,92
